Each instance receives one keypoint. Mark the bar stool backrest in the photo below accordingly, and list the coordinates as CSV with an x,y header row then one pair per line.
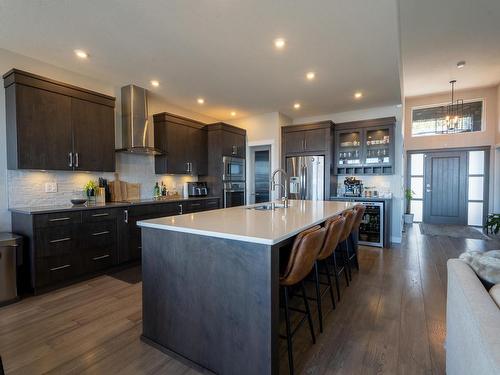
x,y
304,253
349,221
359,211
334,228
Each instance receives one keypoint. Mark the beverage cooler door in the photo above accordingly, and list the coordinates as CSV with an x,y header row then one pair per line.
x,y
371,229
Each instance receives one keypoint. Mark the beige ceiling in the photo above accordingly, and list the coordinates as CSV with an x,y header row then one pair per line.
x,y
436,34
221,50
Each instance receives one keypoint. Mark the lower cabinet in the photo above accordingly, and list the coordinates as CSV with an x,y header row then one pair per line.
x,y
66,246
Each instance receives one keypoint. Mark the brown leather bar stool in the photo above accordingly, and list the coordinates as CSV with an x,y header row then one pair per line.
x,y
334,227
359,211
305,250
343,247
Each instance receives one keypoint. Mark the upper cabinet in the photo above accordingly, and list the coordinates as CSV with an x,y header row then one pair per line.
x,y
365,147
184,143
56,126
307,139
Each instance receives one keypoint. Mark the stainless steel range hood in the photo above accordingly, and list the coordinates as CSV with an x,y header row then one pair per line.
x,y
135,125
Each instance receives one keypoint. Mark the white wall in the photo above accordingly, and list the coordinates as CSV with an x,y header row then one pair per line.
x,y
394,183
26,188
264,129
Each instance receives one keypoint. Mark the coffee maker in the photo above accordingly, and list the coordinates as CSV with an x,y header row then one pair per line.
x,y
353,187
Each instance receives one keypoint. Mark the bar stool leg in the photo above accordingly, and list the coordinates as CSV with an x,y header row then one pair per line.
x,y
318,297
354,243
336,275
288,332
345,246
308,312
330,283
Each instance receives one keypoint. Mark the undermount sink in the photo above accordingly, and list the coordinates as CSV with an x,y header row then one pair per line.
x,y
266,207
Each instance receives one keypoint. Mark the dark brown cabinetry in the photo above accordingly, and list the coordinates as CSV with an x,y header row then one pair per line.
x,y
233,142
56,126
184,142
69,245
365,147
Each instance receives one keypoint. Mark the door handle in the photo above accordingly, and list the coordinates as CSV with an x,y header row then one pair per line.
x,y
428,190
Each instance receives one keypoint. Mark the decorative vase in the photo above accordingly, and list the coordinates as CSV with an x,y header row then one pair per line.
x,y
408,218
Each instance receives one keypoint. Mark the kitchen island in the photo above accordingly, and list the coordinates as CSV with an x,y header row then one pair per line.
x,y
211,283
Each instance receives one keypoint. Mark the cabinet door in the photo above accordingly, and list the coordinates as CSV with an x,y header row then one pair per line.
x,y
175,143
197,146
315,140
94,136
294,142
240,143
44,137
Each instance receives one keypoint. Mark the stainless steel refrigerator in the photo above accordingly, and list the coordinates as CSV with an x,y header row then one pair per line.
x,y
307,177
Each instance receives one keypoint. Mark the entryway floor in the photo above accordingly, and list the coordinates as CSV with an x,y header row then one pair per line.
x,y
391,320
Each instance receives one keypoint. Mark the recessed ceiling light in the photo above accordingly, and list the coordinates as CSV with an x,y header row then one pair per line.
x,y
460,64
233,113
358,95
200,100
296,105
155,83
279,43
81,54
310,76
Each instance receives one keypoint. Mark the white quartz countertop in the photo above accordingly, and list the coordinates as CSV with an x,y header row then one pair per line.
x,y
249,225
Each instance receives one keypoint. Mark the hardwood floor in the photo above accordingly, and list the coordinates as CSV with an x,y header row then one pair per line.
x,y
391,320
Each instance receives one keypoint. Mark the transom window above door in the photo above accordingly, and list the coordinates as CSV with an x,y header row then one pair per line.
x,y
435,120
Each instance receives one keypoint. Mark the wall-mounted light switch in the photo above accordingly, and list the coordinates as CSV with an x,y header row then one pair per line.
x,y
51,187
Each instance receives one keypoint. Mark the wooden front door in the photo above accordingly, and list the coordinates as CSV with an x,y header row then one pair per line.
x,y
445,188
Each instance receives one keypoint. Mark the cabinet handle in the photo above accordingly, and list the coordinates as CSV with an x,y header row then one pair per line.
x,y
77,159
196,204
125,212
235,150
187,167
60,240
100,233
99,215
60,219
60,267
70,159
101,257
180,209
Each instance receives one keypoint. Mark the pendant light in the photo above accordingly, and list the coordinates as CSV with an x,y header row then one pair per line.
x,y
454,112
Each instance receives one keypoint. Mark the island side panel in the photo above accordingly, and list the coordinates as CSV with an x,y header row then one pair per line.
x,y
213,301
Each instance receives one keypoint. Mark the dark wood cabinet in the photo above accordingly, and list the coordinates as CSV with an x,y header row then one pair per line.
x,y
184,143
233,143
365,147
56,126
300,140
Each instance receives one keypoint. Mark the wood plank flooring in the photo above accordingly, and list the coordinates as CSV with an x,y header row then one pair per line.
x,y
391,320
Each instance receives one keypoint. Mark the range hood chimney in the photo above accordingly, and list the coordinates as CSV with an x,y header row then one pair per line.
x,y
135,124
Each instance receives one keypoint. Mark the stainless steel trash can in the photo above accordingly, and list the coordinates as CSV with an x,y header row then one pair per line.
x,y
9,245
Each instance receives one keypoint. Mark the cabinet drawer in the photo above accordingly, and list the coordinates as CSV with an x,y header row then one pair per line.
x,y
211,204
56,241
50,270
91,216
96,235
58,218
98,259
194,206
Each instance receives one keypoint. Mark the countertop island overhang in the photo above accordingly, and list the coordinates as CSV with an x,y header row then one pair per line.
x,y
211,283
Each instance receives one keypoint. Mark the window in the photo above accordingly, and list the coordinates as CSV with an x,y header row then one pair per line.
x,y
433,120
476,188
417,186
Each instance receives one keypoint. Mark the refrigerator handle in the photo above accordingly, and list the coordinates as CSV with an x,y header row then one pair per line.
x,y
302,181
306,182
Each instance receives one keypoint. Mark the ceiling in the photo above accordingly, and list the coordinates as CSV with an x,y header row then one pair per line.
x,y
436,34
222,50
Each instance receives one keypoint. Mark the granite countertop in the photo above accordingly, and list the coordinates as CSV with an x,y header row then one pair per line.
x,y
95,206
245,224
361,199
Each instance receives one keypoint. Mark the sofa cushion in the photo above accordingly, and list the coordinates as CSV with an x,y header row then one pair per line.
x,y
485,264
495,294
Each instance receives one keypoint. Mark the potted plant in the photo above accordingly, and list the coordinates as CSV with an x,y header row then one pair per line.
x,y
408,217
90,189
493,224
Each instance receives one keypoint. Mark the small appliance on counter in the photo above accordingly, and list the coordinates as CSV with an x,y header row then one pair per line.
x,y
196,189
353,187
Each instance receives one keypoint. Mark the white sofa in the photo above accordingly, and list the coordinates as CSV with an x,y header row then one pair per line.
x,y
472,324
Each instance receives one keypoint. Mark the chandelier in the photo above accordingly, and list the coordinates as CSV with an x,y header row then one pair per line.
x,y
454,112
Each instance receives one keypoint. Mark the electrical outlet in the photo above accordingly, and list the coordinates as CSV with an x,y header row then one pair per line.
x,y
51,187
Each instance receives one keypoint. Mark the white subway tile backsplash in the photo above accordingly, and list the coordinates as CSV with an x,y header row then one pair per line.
x,y
27,188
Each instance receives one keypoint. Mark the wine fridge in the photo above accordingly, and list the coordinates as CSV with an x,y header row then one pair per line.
x,y
371,229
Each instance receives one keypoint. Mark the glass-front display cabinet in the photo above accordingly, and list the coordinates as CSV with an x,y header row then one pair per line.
x,y
365,147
